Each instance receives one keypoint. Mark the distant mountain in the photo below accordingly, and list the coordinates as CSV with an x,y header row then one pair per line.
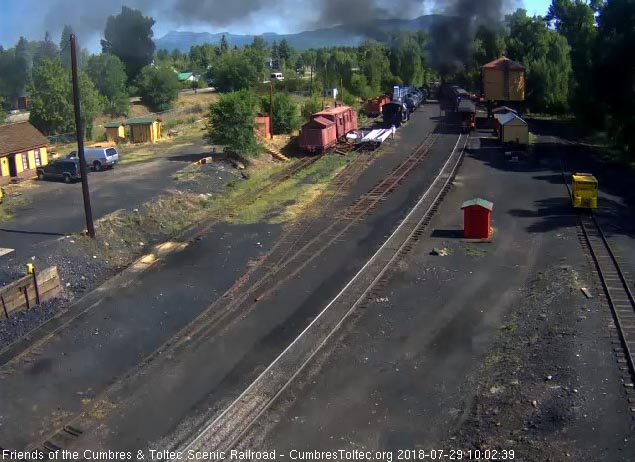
x,y
333,36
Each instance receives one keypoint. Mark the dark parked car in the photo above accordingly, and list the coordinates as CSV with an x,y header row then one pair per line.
x,y
62,169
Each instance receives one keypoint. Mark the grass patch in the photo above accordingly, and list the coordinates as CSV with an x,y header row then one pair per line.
x,y
124,235
288,200
475,251
512,325
10,204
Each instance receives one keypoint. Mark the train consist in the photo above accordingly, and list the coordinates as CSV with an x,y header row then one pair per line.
x,y
404,101
326,128
459,106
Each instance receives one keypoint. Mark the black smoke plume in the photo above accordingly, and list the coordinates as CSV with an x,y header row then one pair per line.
x,y
452,35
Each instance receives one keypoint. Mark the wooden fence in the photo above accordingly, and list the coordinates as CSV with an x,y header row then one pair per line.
x,y
29,291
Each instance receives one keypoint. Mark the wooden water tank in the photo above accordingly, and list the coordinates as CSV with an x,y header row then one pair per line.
x,y
503,80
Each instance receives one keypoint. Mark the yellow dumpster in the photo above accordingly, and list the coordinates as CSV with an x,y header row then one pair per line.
x,y
585,191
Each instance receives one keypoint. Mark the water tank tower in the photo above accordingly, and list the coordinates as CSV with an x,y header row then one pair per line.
x,y
503,80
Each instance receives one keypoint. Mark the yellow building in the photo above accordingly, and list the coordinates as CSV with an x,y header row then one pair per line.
x,y
503,80
144,129
513,129
22,149
115,131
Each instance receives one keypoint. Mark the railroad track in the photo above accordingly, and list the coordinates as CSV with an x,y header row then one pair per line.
x,y
615,286
292,254
616,289
226,431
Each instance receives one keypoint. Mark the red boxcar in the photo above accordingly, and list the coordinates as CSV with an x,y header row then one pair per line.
x,y
318,134
344,117
326,127
373,106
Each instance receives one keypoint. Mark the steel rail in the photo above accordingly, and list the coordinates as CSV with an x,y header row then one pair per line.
x,y
226,430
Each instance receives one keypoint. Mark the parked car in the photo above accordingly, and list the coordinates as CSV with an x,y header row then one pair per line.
x,y
276,76
61,169
98,158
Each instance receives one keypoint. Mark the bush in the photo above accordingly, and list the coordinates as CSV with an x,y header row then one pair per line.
x,y
311,107
232,124
286,117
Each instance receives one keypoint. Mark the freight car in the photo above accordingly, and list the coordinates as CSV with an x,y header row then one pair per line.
x,y
395,113
327,127
372,107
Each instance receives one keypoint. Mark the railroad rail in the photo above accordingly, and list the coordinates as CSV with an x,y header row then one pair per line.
x,y
292,254
226,431
614,283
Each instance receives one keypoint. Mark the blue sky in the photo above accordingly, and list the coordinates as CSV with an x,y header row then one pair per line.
x,y
32,18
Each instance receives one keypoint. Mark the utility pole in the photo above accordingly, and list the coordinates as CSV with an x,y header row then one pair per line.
x,y
342,90
79,126
271,110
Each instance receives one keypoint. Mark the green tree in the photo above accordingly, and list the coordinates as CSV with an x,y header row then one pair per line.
x,y
65,46
284,52
286,114
310,107
545,54
109,76
129,37
3,115
575,20
234,71
614,70
46,49
375,66
23,62
232,122
158,86
52,99
359,86
223,47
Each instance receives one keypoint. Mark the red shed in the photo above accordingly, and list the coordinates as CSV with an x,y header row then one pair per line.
x,y
477,216
263,128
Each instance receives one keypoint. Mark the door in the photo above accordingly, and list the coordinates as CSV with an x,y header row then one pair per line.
x,y
13,171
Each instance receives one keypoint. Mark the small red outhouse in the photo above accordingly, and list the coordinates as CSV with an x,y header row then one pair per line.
x,y
477,217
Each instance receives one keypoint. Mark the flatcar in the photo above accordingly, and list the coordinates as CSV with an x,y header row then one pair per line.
x,y
584,191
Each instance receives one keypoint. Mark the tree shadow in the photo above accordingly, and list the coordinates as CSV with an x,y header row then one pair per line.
x,y
448,233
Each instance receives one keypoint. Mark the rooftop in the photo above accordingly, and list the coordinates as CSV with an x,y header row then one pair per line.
x,y
20,137
504,62
480,202
141,120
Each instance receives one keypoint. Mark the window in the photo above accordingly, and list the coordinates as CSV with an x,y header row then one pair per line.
x,y
38,161
25,162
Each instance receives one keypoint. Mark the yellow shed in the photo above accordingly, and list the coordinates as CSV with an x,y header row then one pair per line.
x,y
115,131
503,80
144,129
22,150
513,129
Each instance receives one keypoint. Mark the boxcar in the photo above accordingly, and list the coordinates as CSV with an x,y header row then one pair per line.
x,y
372,107
584,191
344,118
318,134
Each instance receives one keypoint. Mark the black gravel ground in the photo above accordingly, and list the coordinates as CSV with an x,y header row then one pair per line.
x,y
79,271
493,346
